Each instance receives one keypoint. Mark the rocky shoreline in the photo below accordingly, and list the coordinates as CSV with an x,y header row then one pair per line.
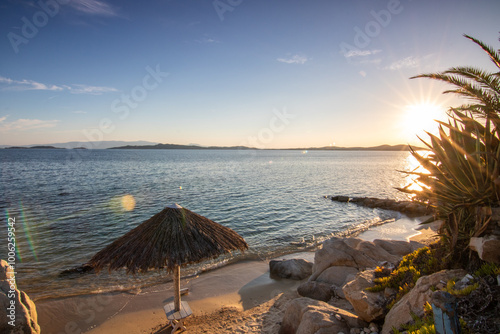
x,y
336,297
407,207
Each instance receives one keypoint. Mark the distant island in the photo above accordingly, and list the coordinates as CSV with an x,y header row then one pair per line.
x,y
143,145
197,147
34,147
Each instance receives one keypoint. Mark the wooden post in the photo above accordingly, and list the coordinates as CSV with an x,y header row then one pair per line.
x,y
177,288
445,316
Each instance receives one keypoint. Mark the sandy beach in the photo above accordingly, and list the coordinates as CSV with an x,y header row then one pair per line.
x,y
238,298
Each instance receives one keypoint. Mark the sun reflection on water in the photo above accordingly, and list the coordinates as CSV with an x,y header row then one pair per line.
x,y
413,166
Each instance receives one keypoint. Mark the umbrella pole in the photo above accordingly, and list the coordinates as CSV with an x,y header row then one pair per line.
x,y
177,288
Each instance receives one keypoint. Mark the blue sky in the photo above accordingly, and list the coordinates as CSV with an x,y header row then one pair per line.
x,y
232,72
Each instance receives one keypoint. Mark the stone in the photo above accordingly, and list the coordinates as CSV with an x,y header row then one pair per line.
x,y
316,290
413,301
395,247
308,316
373,327
357,253
337,275
333,253
5,271
369,306
296,269
343,199
25,310
488,248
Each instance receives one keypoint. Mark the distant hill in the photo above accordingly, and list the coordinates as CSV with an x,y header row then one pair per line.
x,y
197,147
179,147
35,147
88,145
146,145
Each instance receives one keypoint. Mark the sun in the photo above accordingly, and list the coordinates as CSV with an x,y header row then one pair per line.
x,y
421,117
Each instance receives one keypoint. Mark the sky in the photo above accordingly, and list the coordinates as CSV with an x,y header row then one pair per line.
x,y
260,73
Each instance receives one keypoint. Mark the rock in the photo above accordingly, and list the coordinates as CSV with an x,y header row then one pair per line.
x,y
25,310
488,248
337,275
413,301
373,327
316,290
395,247
308,316
343,199
369,306
349,252
296,269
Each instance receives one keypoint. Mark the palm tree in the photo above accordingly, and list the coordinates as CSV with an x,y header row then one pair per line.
x,y
462,181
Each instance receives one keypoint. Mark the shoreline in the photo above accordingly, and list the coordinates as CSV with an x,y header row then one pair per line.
x,y
308,245
243,287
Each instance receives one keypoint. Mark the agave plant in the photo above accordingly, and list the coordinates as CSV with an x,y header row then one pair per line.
x,y
462,180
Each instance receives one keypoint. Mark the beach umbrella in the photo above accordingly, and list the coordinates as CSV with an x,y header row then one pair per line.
x,y
170,239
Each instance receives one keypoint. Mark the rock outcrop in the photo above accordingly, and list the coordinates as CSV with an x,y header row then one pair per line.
x,y
17,311
359,254
407,207
316,290
297,269
343,269
308,316
369,306
413,301
488,248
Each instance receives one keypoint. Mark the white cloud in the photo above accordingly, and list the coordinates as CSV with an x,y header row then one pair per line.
x,y
25,124
408,62
22,85
93,7
94,90
27,85
361,53
362,73
296,59
79,112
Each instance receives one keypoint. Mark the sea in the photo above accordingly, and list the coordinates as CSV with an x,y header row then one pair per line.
x,y
66,205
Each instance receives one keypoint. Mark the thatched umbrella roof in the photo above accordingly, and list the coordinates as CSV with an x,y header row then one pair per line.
x,y
173,237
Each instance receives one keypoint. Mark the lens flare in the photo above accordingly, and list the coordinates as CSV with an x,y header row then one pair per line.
x,y
27,232
128,202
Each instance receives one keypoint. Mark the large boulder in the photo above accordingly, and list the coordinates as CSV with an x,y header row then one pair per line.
x,y
369,306
350,252
413,302
398,247
337,275
16,308
488,248
297,269
316,290
308,316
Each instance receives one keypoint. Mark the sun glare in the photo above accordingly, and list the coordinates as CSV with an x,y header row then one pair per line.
x,y
128,202
421,117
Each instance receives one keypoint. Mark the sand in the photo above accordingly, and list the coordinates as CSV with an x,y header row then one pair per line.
x,y
236,295
238,298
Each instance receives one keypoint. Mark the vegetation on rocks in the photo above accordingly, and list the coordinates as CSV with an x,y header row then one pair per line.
x,y
462,177
421,262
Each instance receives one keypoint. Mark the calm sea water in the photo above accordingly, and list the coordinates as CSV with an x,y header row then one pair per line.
x,y
69,204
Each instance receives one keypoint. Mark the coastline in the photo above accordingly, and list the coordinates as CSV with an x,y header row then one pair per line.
x,y
242,293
